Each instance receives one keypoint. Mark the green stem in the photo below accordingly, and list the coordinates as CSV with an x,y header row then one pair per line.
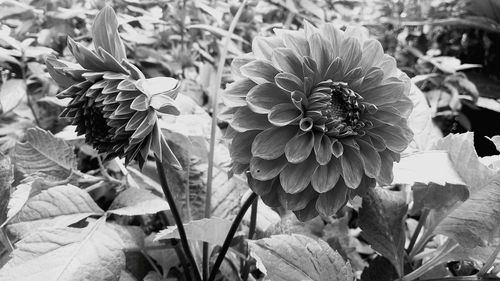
x,y
177,218
421,222
489,262
230,235
213,129
253,219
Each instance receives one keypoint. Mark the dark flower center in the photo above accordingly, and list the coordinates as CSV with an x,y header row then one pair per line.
x,y
335,109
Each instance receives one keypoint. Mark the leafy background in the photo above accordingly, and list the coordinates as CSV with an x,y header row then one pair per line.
x,y
66,215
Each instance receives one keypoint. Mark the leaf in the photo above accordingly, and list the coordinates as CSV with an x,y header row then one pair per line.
x,y
382,221
496,141
415,168
55,207
380,269
136,202
266,217
6,179
126,276
297,257
105,34
312,8
435,196
216,31
212,230
12,93
46,154
72,254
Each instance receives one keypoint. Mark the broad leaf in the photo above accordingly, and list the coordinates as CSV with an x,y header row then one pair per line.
x,y
43,153
105,34
12,93
382,221
136,201
72,254
55,207
300,258
6,178
212,230
435,196
475,221
379,269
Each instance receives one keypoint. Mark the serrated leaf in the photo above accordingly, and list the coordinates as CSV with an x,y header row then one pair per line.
x,y
6,179
136,202
212,230
382,221
44,153
105,34
12,93
72,254
58,206
300,258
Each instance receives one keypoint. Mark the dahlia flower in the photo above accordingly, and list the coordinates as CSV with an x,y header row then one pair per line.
x,y
316,117
112,103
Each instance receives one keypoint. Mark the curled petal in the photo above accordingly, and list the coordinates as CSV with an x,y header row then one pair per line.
x,y
270,143
289,82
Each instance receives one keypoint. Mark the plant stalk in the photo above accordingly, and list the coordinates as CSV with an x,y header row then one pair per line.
x,y
421,222
491,259
213,129
230,235
253,219
177,218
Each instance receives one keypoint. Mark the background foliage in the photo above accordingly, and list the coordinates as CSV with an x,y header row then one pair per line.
x,y
66,215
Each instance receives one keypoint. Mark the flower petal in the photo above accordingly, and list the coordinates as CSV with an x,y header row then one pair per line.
x,y
263,97
337,149
263,47
284,114
270,143
146,126
245,119
395,138
320,52
370,157
267,169
308,213
350,52
331,202
385,176
289,82
295,40
298,201
322,148
260,187
334,70
240,61
287,61
259,71
326,176
352,167
373,53
296,177
140,103
241,146
334,36
299,147
383,94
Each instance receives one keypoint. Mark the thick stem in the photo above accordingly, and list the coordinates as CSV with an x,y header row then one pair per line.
x,y
421,222
253,219
230,235
177,218
213,129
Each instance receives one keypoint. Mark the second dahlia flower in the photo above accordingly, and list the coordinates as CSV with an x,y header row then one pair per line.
x,y
317,117
112,103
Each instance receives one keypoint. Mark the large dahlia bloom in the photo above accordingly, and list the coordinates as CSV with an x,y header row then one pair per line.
x,y
112,103
317,117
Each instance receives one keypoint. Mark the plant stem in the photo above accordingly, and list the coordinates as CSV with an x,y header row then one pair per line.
x,y
177,218
253,219
489,262
421,222
230,235
213,129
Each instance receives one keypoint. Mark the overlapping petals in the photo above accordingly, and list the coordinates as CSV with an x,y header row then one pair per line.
x,y
317,116
112,103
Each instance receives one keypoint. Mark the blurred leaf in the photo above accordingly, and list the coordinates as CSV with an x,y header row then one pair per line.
x,y
212,230
379,269
46,154
485,8
136,201
297,257
6,179
266,217
9,8
126,276
105,34
55,207
435,196
94,252
217,31
312,8
12,93
382,221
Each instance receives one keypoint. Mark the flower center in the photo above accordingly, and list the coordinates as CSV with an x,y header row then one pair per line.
x,y
335,109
